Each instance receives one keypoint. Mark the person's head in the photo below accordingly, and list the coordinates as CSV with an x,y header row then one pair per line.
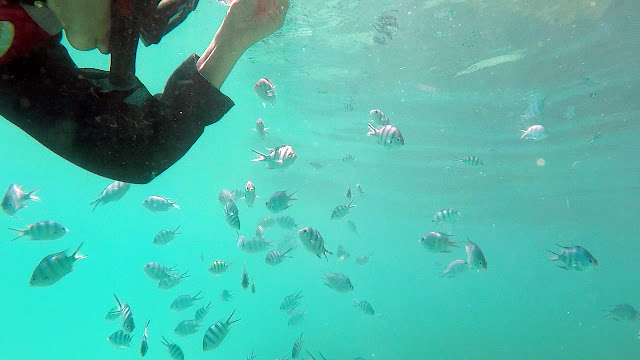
x,y
86,22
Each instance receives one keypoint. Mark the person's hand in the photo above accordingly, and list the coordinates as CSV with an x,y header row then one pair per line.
x,y
249,21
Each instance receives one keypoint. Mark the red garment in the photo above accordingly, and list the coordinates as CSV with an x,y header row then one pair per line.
x,y
19,33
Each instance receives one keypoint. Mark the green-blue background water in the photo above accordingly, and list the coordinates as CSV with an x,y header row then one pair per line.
x,y
329,75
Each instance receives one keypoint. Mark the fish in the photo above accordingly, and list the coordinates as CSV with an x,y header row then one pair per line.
x,y
158,203
202,313
379,118
349,158
348,194
342,253
315,165
267,222
437,242
296,317
231,215
286,222
352,227
362,259
280,157
157,271
226,295
595,138
165,236
224,196
535,132
124,310
15,199
244,280
259,232
290,302
313,242
52,268
260,129
184,302
574,258
120,339
266,91
475,257
112,314
446,216
249,194
144,343
216,333
455,268
338,282
341,211
114,192
535,108
253,245
42,230
172,280
364,307
622,312
359,187
496,60
186,327
175,353
279,201
388,136
252,287
218,267
297,347
470,160
274,257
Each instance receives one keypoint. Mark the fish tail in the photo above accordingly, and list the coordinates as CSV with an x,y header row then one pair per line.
x,y
76,255
176,230
31,195
372,130
355,302
22,233
118,302
524,132
173,203
229,321
554,256
95,203
286,252
195,297
261,156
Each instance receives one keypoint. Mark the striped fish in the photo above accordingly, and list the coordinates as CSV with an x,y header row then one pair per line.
x,y
218,267
184,302
286,222
226,295
14,199
253,245
437,242
470,160
259,232
280,157
144,344
267,222
352,227
362,259
244,280
165,236
112,314
296,317
231,215
349,158
446,216
290,302
313,242
379,118
119,339
225,196
114,192
338,282
315,165
365,307
202,313
297,347
275,257
157,271
54,267
43,230
595,137
172,280
158,203
175,353
348,194
216,333
341,211
279,201
252,287
389,136
126,315
186,327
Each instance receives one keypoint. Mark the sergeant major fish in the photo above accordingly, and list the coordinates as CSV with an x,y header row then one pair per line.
x,y
313,242
437,242
624,312
274,257
253,245
158,203
186,327
165,236
363,259
218,267
286,222
157,271
114,192
338,282
124,310
202,313
216,333
43,230
341,211
226,295
15,199
574,258
297,347
475,257
54,267
232,215
279,201
280,157
249,194
144,344
172,280
290,302
364,307
175,353
455,268
266,91
244,280
119,339
388,136
446,216
184,302
379,118
260,129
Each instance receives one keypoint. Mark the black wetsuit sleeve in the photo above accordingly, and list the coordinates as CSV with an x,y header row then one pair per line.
x,y
127,135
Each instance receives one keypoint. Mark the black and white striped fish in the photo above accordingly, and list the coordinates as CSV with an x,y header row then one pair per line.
x,y
280,157
158,203
165,236
186,327
364,307
341,211
218,267
279,201
42,230
349,158
172,280
313,242
296,317
157,271
316,165
274,257
119,339
389,136
338,282
114,192
231,215
596,137
470,160
259,231
379,118
216,333
175,353
244,280
15,199
202,313
446,216
54,267
286,222
144,344
125,314
253,245
226,295
437,242
184,302
290,302
297,347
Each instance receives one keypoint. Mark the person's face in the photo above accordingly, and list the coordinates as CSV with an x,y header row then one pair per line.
x,y
86,22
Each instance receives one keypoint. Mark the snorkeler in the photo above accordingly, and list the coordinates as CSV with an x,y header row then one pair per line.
x,y
108,122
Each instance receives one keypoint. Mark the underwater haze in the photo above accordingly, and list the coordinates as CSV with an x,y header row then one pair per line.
x,y
461,80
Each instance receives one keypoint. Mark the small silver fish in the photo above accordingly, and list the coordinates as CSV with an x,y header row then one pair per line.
x,y
249,194
54,267
267,222
297,347
244,280
184,302
352,227
290,302
364,307
253,245
175,353
349,158
172,280
15,199
446,216
279,201
379,118
455,268
362,259
622,312
338,282
348,194
596,137
165,236
437,242
144,343
359,187
43,230
232,215
216,333
119,339
313,242
574,258
157,271
388,136
202,313
218,267
475,257
224,196
470,160
186,327
260,129
341,211
535,132
158,203
280,157
266,91
286,222
114,192
124,310
252,287
274,257
296,317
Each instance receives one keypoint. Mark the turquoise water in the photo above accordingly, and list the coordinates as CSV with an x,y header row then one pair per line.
x,y
329,75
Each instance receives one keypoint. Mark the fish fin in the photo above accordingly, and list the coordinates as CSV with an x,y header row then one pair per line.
x,y
95,203
22,233
266,130
372,130
524,133
76,255
31,195
176,230
563,267
173,203
260,157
